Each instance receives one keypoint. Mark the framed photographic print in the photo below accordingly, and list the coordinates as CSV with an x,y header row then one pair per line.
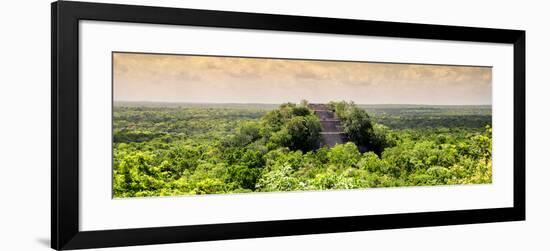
x,y
178,125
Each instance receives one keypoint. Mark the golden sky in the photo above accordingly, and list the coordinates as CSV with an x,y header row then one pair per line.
x,y
210,79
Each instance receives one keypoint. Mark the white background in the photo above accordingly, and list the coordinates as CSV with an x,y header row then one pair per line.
x,y
24,101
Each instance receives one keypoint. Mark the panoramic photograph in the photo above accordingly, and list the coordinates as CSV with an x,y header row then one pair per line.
x,y
197,125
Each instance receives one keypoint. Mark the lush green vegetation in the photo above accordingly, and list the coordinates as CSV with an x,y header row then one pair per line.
x,y
421,116
162,149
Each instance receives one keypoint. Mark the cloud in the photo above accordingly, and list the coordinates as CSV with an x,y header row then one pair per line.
x,y
307,75
183,78
187,76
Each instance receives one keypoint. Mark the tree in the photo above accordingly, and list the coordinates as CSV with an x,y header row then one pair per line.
x,y
278,179
247,133
244,176
344,155
359,128
304,133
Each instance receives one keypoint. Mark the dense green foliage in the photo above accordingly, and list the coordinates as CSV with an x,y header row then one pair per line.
x,y
422,116
204,149
359,127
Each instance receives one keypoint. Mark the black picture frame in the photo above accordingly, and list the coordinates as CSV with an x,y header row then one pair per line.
x,y
65,233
